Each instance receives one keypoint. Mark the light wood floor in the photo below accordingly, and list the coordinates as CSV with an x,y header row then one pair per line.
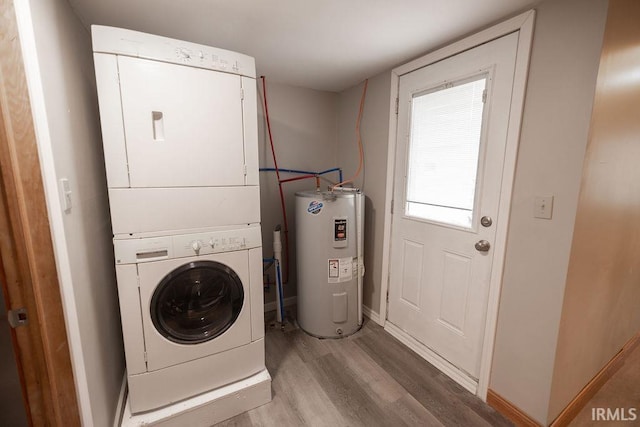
x,y
368,379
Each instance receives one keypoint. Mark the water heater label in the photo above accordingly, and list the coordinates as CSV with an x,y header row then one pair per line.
x,y
339,229
315,207
340,270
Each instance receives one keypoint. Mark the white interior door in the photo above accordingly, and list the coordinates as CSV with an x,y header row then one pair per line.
x,y
453,119
183,125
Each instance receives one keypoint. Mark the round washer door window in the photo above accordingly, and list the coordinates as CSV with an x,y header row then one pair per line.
x,y
197,302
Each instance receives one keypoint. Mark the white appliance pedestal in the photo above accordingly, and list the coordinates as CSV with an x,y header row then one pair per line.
x,y
208,408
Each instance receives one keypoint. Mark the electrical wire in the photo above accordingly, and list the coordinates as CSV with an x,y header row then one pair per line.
x,y
358,138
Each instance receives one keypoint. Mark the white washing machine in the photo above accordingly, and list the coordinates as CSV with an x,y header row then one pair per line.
x,y
179,126
192,312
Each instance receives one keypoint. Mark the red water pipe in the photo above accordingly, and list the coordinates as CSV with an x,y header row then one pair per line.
x,y
297,178
285,278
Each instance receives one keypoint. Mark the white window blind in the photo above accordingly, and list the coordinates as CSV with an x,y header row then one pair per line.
x,y
444,145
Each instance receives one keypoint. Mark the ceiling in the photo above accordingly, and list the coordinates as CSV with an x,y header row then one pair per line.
x,y
324,44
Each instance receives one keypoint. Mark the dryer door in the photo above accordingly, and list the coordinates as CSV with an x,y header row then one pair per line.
x,y
197,302
183,125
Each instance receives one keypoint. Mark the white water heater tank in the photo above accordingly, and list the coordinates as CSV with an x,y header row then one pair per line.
x,y
329,229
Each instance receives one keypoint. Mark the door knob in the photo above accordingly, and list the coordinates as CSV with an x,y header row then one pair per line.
x,y
482,246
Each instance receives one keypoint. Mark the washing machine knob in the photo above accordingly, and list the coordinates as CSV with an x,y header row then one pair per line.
x,y
196,245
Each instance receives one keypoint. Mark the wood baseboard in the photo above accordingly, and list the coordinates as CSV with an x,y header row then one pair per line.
x,y
592,387
509,410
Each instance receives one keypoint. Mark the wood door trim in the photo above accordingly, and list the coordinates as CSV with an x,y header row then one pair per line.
x,y
580,401
27,249
509,410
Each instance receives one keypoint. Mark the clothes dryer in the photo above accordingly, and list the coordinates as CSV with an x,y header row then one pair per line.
x,y
179,126
192,312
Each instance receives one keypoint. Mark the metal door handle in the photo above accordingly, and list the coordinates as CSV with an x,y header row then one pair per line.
x,y
482,246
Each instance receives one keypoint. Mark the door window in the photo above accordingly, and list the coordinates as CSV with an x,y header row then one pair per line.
x,y
444,148
197,302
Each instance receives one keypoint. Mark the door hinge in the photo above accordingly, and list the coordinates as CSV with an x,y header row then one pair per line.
x,y
392,201
18,317
244,170
397,105
241,93
484,96
145,357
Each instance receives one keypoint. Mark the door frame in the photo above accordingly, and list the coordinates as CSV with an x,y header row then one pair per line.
x,y
524,24
26,248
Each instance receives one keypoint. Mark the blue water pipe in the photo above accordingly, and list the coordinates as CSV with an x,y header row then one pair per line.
x,y
279,285
302,172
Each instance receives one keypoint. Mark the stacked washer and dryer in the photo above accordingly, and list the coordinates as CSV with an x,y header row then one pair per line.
x,y
179,126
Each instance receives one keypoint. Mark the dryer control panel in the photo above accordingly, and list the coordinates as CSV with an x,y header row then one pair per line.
x,y
149,249
120,41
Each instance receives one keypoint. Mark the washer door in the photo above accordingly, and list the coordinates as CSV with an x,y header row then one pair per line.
x,y
197,302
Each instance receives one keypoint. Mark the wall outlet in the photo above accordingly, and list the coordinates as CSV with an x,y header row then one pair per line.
x,y
543,207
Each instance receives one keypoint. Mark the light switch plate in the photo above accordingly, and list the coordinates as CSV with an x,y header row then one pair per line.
x,y
65,194
543,207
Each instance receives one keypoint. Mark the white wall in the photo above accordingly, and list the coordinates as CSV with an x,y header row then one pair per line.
x,y
59,67
375,139
304,129
560,91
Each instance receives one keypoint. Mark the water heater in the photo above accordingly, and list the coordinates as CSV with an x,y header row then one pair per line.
x,y
329,229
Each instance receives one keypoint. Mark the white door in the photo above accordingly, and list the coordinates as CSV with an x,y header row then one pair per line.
x,y
183,125
452,127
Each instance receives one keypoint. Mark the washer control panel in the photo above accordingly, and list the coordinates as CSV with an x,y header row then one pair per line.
x,y
130,251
